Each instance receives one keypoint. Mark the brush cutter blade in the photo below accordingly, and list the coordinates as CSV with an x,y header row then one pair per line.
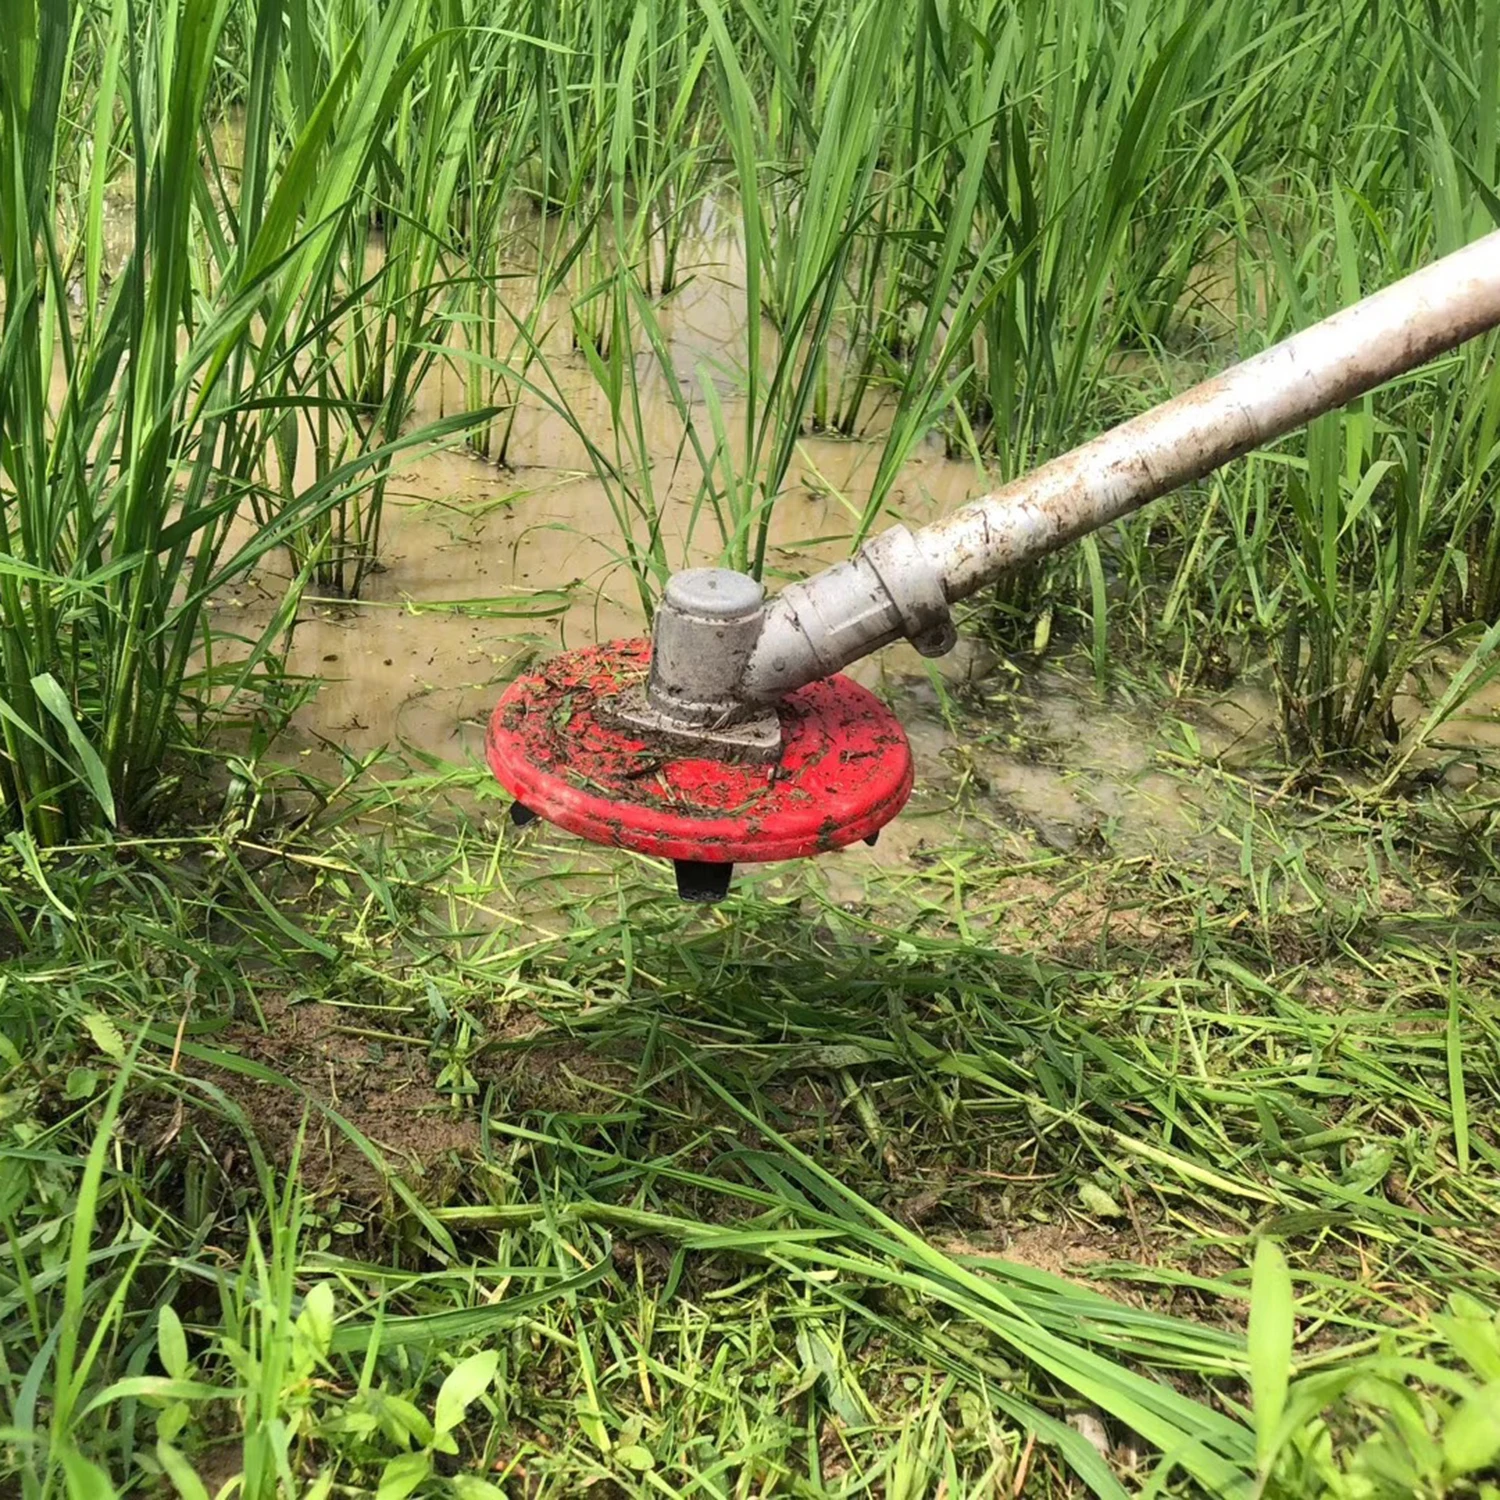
x,y
845,771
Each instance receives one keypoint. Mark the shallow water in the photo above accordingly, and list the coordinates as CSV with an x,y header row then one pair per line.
x,y
484,568
469,548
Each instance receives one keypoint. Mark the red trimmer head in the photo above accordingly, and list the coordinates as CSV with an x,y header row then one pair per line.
x,y
554,744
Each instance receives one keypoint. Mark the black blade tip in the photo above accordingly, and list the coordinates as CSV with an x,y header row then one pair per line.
x,y
702,881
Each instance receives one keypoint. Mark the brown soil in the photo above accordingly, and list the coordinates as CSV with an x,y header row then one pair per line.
x,y
552,1077
1067,1248
383,1089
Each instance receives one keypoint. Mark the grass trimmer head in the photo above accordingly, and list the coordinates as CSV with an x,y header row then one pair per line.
x,y
560,743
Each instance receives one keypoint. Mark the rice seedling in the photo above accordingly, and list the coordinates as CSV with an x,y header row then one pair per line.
x,y
194,361
1355,554
357,321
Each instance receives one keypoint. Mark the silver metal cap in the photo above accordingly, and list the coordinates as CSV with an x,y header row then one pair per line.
x,y
714,593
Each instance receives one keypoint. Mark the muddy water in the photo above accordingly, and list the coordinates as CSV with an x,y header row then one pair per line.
x,y
485,568
467,551
469,548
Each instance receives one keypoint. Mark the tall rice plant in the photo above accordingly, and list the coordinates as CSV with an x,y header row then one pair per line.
x,y
1365,547
132,438
805,158
513,261
1379,500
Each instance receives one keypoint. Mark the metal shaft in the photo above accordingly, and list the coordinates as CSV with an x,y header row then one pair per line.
x,y
851,609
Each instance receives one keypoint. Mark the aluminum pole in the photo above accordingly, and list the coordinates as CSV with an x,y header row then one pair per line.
x,y
891,588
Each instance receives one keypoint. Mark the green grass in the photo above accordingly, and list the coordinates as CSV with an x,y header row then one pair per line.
x,y
792,1198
